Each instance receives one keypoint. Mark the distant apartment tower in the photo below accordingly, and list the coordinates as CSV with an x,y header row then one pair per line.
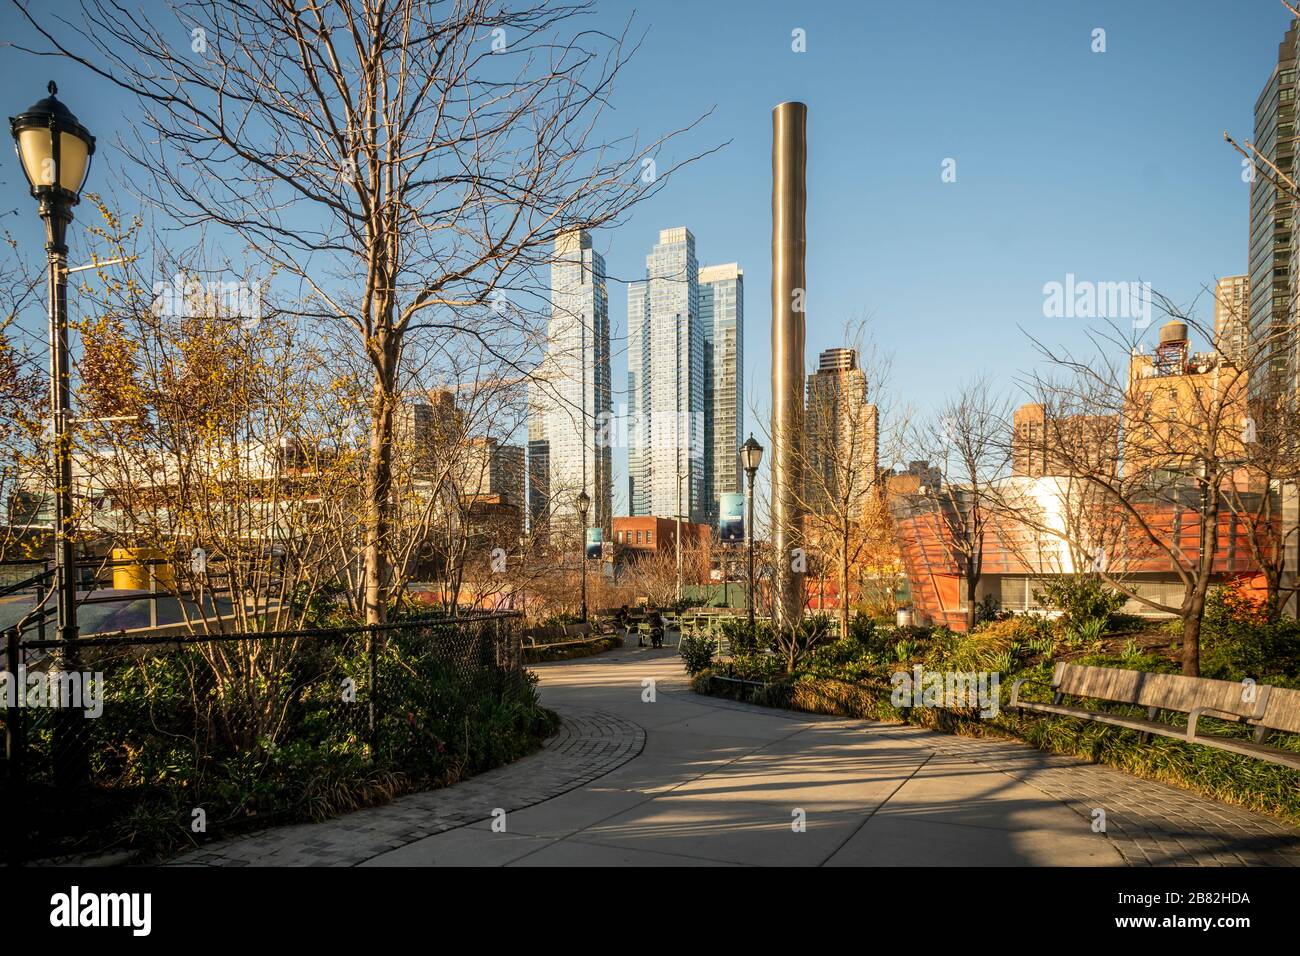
x,y
666,382
570,399
492,468
1271,279
841,434
1231,319
722,318
423,422
638,396
1169,402
539,462
1057,445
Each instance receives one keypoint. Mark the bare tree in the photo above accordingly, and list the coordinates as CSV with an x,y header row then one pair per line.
x,y
843,492
1184,456
24,475
408,164
967,440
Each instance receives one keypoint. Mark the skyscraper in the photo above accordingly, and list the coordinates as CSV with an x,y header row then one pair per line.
x,y
666,379
722,317
569,403
1271,253
841,440
638,392
1231,314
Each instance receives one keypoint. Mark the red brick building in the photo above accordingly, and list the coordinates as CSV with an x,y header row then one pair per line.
x,y
647,533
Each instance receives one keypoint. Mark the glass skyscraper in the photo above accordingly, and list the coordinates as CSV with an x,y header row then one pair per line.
x,y
570,402
722,317
1271,283
666,383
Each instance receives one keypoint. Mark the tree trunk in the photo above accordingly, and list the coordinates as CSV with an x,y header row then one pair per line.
x,y
1273,592
972,584
844,588
1192,636
379,474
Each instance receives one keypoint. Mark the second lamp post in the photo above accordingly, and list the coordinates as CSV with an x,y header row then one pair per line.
x,y
584,503
751,454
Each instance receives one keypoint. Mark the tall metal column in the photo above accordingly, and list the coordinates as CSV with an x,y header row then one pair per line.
x,y
789,292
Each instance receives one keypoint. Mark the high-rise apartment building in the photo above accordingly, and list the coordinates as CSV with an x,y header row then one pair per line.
x,y
841,434
570,400
1054,445
666,382
539,463
493,469
1231,318
722,318
638,396
1271,261
1171,403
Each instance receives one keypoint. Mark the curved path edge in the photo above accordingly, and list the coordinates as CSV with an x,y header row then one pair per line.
x,y
590,743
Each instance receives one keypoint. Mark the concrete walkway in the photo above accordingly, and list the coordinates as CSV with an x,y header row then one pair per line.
x,y
647,773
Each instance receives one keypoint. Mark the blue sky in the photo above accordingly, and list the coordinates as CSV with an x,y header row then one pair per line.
x,y
1110,166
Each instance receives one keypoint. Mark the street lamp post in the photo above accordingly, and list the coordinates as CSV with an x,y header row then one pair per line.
x,y
584,503
54,151
681,476
751,454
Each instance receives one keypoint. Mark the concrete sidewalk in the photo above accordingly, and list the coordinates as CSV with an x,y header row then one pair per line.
x,y
722,785
686,780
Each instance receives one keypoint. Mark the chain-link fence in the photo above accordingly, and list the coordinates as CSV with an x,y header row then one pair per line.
x,y
144,744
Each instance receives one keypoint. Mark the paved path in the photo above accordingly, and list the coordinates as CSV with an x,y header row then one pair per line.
x,y
689,780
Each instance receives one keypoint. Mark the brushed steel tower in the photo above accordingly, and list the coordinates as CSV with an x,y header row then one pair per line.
x,y
789,292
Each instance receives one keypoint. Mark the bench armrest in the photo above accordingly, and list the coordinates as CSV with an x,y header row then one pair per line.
x,y
1261,704
1015,688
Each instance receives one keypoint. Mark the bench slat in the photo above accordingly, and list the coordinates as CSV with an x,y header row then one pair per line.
x,y
1145,689
1282,711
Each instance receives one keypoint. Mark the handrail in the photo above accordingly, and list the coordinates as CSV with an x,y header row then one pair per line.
x,y
110,640
14,588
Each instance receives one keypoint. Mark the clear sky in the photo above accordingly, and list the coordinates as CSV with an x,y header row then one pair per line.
x,y
1108,165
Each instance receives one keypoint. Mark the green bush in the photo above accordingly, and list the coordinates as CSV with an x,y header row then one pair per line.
x,y
742,639
762,668
850,677
1238,640
696,653
1080,598
262,745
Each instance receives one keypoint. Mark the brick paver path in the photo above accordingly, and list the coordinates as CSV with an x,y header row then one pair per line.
x,y
588,745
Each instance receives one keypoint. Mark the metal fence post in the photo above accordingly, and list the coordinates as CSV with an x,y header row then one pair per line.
x,y
15,809
372,678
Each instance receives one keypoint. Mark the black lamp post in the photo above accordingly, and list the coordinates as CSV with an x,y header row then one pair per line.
x,y
584,503
54,151
751,455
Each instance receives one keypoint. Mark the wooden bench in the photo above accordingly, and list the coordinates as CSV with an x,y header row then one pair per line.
x,y
1268,709
566,633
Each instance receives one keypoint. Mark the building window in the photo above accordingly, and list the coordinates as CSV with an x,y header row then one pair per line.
x,y
649,537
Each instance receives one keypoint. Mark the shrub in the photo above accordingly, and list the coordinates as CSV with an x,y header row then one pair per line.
x,y
1238,640
989,608
762,668
1080,598
696,653
741,639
